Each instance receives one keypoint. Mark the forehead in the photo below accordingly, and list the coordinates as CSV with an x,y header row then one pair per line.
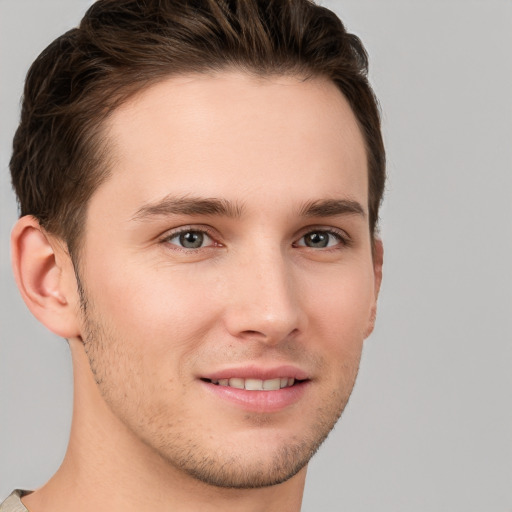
x,y
234,134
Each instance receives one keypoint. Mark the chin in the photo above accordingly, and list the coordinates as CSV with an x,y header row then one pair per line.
x,y
241,473
254,461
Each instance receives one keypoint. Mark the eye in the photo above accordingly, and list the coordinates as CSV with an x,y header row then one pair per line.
x,y
321,239
190,239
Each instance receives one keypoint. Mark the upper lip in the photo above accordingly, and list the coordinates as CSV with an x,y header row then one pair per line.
x,y
255,372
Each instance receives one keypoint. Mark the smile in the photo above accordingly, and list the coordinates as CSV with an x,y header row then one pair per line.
x,y
256,384
258,395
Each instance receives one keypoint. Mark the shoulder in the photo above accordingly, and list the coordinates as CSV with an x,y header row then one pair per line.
x,y
13,502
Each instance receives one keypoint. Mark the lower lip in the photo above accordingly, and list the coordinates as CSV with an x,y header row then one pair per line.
x,y
259,401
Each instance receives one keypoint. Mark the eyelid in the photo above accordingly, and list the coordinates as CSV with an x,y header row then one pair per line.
x,y
343,237
207,230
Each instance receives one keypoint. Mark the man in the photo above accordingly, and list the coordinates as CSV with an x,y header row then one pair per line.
x,y
199,186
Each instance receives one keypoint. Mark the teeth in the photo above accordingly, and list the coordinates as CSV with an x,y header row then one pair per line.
x,y
256,384
237,383
271,384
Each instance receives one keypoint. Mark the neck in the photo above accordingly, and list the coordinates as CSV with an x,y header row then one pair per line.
x,y
107,467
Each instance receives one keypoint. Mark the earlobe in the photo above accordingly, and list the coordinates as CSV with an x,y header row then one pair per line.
x,y
45,277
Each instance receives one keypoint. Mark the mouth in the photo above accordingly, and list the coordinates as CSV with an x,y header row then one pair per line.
x,y
258,390
256,384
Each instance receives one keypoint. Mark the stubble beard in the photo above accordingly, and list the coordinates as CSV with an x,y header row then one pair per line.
x,y
186,454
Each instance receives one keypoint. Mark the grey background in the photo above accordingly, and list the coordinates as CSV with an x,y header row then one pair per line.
x,y
429,426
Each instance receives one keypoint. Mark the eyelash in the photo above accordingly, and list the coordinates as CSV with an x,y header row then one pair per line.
x,y
342,238
190,229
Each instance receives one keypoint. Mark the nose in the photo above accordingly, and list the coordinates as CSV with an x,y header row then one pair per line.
x,y
264,301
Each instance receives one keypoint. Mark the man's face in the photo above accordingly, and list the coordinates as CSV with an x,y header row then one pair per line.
x,y
230,249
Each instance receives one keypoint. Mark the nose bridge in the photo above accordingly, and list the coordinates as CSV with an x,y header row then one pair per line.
x,y
264,301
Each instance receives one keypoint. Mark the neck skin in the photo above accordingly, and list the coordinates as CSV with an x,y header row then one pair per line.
x,y
107,467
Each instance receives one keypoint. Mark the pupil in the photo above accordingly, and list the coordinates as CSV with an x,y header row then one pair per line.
x,y
317,240
191,240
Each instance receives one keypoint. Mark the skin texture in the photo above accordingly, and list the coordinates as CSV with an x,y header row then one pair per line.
x,y
156,318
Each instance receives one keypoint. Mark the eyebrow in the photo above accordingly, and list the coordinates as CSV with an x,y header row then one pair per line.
x,y
332,208
171,205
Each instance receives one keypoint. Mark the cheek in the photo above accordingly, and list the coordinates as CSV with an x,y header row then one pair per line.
x,y
147,329
160,312
339,318
341,301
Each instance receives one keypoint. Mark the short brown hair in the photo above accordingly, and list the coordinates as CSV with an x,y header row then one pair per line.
x,y
121,46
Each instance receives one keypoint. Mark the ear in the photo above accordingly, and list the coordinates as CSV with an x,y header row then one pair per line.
x,y
378,260
45,277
